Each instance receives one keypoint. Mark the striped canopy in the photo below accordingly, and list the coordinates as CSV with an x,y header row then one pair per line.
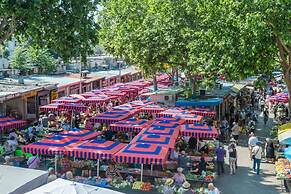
x,y
140,103
199,130
73,107
172,112
152,108
280,97
142,153
9,123
97,99
112,116
51,107
165,124
173,132
130,125
190,118
206,112
171,120
80,134
126,107
95,149
162,140
67,100
54,145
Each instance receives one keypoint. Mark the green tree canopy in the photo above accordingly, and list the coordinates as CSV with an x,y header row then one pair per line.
x,y
67,27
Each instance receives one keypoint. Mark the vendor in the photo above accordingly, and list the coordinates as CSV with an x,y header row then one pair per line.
x,y
112,172
179,177
200,167
203,147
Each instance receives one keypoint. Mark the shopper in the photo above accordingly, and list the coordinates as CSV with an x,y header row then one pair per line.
x,y
186,188
232,156
212,189
33,162
168,187
252,142
257,156
220,153
235,131
179,177
266,116
269,150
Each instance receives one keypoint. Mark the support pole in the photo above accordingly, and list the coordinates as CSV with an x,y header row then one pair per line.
x,y
141,172
72,120
152,167
56,163
219,112
98,168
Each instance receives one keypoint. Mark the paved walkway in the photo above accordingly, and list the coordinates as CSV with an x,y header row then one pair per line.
x,y
245,181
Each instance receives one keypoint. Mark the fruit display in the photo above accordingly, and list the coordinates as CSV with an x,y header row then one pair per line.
x,y
205,177
283,168
120,184
142,186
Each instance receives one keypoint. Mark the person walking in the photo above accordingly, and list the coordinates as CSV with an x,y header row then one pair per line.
x,y
252,142
220,154
235,131
269,150
257,156
266,116
232,156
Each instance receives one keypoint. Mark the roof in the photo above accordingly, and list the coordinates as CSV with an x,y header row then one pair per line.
x,y
15,180
200,102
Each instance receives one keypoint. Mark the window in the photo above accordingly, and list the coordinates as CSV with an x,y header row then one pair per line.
x,y
31,105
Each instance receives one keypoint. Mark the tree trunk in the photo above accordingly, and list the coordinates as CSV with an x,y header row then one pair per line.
x,y
155,82
287,80
177,75
193,85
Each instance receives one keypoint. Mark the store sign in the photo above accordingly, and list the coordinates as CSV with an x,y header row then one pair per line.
x,y
29,94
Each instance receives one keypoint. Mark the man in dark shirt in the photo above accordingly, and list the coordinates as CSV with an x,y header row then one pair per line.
x,y
220,154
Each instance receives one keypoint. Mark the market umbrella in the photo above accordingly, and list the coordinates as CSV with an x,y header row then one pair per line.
x,y
126,107
97,99
165,124
141,103
112,116
8,123
172,112
152,108
80,134
171,120
142,153
284,137
190,118
95,149
203,112
173,132
130,125
199,130
73,107
51,107
67,100
163,140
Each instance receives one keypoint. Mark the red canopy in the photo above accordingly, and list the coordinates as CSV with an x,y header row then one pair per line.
x,y
95,149
73,107
8,123
51,107
80,134
130,125
141,153
190,118
112,116
199,130
152,108
67,100
162,140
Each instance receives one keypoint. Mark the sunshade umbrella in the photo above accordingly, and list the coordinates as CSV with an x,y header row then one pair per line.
x,y
190,118
73,107
199,130
97,99
284,137
112,116
51,107
205,113
8,123
142,153
173,132
80,134
130,125
152,108
163,140
172,112
171,120
165,124
67,100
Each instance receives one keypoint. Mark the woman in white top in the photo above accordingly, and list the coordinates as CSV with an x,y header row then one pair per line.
x,y
257,156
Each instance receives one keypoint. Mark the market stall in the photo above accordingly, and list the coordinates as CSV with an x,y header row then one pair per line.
x,y
190,118
171,120
152,108
73,107
130,125
199,130
9,123
67,100
162,140
54,107
80,134
112,116
205,112
173,132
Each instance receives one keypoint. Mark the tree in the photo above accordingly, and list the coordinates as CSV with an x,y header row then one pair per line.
x,y
20,60
42,59
247,37
66,27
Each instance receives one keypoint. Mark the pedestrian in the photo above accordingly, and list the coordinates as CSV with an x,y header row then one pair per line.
x,y
257,156
232,156
220,154
235,131
179,177
186,188
168,187
212,189
252,142
266,116
183,161
33,162
269,150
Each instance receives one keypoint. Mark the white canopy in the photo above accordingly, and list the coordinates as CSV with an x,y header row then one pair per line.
x,y
61,186
15,180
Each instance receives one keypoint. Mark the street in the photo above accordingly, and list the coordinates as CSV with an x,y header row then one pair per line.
x,y
245,181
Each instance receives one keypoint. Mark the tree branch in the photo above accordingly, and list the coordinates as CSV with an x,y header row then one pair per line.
x,y
10,31
282,51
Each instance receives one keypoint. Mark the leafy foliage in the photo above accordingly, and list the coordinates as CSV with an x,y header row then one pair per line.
x,y
20,60
67,27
